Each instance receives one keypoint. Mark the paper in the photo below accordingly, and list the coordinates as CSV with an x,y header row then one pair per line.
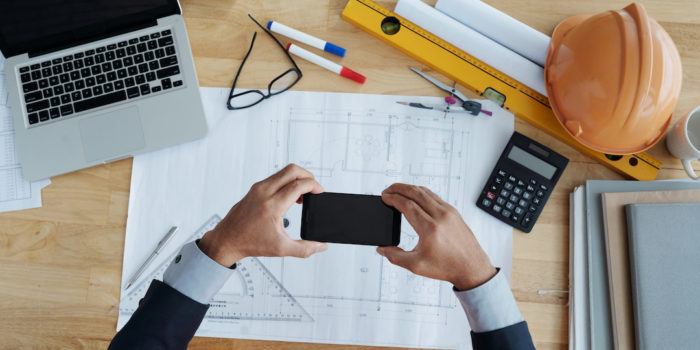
x,y
618,256
352,143
472,42
499,27
15,192
579,331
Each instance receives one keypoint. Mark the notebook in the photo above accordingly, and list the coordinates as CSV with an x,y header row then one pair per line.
x,y
664,246
601,328
618,258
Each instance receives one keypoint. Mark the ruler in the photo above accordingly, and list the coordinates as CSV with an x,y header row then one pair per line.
x,y
484,80
252,293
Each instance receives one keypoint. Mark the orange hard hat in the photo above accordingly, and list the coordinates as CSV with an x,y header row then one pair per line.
x,y
613,79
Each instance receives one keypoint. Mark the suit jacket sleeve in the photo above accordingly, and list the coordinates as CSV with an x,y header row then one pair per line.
x,y
513,337
165,319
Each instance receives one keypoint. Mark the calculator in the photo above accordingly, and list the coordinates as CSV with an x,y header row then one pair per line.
x,y
521,182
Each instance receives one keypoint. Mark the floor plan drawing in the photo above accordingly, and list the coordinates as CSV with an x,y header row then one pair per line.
x,y
360,144
15,192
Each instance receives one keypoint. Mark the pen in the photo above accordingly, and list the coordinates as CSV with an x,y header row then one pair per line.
x,y
435,107
155,253
331,66
307,39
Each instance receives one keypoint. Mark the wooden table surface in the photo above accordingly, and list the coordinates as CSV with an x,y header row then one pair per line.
x,y
60,264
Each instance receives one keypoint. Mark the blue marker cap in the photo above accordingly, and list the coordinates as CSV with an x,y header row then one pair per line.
x,y
269,24
336,50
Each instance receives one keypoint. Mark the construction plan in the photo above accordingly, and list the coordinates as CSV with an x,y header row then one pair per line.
x,y
352,143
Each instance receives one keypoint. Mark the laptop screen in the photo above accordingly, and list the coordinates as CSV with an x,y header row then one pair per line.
x,y
43,25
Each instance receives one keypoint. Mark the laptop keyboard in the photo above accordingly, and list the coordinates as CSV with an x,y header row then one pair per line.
x,y
108,74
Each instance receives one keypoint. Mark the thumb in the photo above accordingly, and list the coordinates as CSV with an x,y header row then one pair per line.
x,y
397,256
302,248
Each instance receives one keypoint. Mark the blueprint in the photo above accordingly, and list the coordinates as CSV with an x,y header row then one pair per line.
x,y
352,143
16,193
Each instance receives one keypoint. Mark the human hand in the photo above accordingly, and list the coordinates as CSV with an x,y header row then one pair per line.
x,y
447,249
254,226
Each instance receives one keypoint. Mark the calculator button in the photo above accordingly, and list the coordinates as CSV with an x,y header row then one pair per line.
x,y
498,180
486,202
532,208
530,188
522,203
515,217
512,178
536,201
519,211
506,213
527,195
493,188
497,208
490,195
502,173
501,201
505,193
510,206
514,198
533,182
540,194
521,183
508,186
527,220
518,190
543,187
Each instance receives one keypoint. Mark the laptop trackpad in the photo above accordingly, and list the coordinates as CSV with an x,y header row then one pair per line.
x,y
112,134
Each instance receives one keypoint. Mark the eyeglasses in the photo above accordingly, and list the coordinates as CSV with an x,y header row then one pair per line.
x,y
282,83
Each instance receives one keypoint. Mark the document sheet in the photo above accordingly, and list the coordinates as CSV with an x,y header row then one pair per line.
x,y
352,143
16,193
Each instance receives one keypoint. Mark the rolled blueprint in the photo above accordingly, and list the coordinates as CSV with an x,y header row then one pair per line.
x,y
499,27
468,40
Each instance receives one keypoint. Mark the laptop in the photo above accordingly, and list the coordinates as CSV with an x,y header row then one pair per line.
x,y
94,81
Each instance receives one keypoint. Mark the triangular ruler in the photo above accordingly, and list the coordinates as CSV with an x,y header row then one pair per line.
x,y
252,293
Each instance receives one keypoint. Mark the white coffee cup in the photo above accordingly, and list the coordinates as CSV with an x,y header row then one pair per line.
x,y
684,141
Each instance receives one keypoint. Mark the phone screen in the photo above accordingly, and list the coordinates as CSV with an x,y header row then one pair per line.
x,y
350,218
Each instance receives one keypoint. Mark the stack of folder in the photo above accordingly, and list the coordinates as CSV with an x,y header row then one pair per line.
x,y
634,259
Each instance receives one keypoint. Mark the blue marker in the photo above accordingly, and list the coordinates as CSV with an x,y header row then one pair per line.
x,y
307,39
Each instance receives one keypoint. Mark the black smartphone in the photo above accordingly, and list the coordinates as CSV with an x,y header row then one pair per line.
x,y
349,218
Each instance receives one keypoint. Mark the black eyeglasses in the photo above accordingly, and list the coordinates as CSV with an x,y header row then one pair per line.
x,y
277,86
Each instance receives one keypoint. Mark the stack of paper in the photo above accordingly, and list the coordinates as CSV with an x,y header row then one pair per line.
x,y
16,193
601,292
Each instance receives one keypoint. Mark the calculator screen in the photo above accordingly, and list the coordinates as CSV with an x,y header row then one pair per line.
x,y
531,162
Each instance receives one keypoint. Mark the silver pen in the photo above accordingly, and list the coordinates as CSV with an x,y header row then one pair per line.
x,y
436,107
155,253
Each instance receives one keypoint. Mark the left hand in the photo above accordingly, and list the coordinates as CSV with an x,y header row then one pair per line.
x,y
254,226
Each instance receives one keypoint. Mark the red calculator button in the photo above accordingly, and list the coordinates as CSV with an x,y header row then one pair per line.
x,y
490,195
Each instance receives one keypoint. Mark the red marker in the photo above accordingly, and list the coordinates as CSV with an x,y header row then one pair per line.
x,y
331,66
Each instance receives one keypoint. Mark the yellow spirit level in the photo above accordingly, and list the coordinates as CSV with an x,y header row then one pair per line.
x,y
484,80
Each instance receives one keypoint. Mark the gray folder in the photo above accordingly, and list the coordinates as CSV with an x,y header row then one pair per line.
x,y
599,293
664,242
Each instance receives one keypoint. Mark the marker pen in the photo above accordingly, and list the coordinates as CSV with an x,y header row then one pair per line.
x,y
331,66
307,39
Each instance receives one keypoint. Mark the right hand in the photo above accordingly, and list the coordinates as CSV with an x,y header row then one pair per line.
x,y
447,249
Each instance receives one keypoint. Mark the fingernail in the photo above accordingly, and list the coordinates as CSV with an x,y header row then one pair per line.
x,y
380,251
321,247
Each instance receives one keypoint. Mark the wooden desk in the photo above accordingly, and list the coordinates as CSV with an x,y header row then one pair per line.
x,y
60,265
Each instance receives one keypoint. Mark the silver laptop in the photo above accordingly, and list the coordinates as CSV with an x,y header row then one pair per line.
x,y
94,81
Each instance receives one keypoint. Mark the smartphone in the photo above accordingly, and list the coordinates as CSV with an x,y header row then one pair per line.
x,y
349,218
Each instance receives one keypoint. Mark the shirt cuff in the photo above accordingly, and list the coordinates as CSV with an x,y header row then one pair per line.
x,y
195,275
490,306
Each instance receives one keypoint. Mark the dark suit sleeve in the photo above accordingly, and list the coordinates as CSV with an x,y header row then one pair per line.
x,y
165,319
516,336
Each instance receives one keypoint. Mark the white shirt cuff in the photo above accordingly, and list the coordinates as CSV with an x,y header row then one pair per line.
x,y
490,306
195,275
